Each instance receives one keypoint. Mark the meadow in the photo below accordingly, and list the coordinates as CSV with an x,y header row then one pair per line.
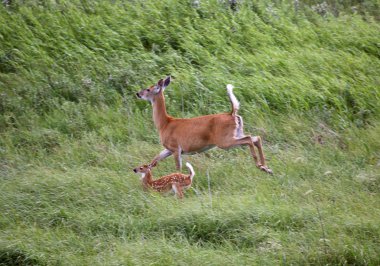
x,y
307,76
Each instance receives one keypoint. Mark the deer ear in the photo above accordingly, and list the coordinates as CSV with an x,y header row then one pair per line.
x,y
167,81
160,83
158,87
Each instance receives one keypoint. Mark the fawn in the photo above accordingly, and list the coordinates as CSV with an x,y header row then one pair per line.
x,y
194,135
176,181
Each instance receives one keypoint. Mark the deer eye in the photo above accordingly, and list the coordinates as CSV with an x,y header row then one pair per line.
x,y
141,168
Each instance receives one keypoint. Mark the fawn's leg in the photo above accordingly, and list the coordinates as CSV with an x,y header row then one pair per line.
x,y
177,190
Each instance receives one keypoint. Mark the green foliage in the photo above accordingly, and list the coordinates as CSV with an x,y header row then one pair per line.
x,y
71,129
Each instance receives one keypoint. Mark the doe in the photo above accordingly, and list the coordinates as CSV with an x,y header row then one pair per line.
x,y
194,135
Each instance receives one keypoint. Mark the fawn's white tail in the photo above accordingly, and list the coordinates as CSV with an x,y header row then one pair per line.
x,y
192,173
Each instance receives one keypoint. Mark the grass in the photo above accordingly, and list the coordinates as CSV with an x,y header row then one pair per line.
x,y
320,207
71,131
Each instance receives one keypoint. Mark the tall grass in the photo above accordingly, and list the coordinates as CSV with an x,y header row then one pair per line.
x,y
72,129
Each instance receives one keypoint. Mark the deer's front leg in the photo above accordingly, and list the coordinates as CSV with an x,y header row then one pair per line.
x,y
164,154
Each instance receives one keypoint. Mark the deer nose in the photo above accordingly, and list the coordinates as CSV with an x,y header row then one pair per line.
x,y
134,170
138,95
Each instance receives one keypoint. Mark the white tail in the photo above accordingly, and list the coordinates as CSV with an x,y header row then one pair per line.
x,y
235,103
193,135
191,169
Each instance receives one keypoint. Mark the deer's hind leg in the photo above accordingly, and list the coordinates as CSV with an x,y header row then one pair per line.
x,y
251,142
178,158
243,141
258,143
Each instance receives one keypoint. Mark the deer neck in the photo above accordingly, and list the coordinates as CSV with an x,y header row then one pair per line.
x,y
147,179
160,116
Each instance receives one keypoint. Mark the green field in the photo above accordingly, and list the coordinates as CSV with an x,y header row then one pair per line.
x,y
307,76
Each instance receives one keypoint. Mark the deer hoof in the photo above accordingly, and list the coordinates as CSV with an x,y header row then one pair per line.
x,y
266,169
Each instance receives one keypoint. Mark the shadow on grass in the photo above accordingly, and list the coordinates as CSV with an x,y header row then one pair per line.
x,y
16,257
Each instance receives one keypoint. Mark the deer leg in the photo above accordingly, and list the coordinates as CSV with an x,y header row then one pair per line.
x,y
177,190
164,154
253,153
257,142
178,158
251,142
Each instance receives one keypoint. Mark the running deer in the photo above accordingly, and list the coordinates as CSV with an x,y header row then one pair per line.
x,y
194,135
176,181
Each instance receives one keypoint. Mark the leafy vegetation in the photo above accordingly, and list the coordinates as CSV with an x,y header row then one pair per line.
x,y
306,74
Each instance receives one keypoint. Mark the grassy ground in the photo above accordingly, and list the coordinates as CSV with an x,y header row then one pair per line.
x,y
320,207
72,130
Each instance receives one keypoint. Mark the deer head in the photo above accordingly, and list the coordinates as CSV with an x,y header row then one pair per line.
x,y
143,169
150,93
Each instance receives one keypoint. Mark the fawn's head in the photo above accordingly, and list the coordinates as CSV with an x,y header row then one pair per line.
x,y
143,169
150,93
